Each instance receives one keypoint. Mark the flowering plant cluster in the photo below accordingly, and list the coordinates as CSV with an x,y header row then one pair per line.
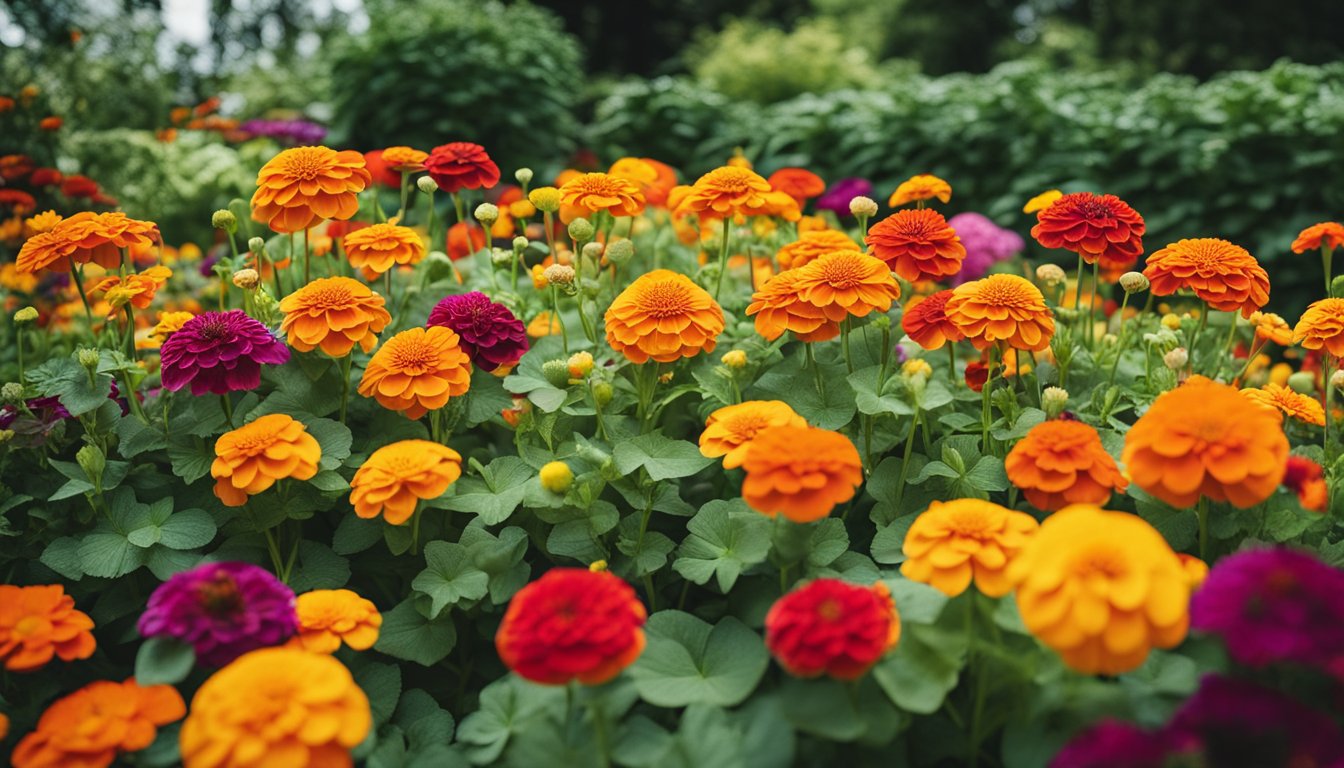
x,y
422,466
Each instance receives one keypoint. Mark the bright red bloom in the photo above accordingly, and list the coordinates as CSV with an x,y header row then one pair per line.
x,y
461,165
17,199
1092,226
1306,478
79,186
926,322
571,624
833,628
382,173
45,177
977,373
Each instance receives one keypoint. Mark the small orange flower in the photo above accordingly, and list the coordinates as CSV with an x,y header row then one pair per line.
x,y
51,123
299,187
663,316
328,617
798,183
845,283
1003,308
1223,275
588,193
42,222
730,430
1059,463
1306,478
249,459
92,726
1322,326
543,325
925,321
37,623
397,476
335,314
378,248
917,244
778,307
953,542
404,159
918,188
83,238
654,179
1271,327
1327,234
800,472
1279,398
464,240
136,289
726,191
810,245
417,371
168,324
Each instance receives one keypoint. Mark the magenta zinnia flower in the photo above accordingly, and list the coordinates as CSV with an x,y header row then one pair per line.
x,y
222,610
836,199
490,334
1273,605
218,353
986,245
1112,744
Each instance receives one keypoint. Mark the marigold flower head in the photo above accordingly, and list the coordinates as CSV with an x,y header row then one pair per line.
x,y
663,316
222,610
1059,463
136,289
249,459
1205,438
652,178
397,476
1223,275
461,165
588,193
925,321
829,627
83,238
329,617
1277,398
1306,478
1327,234
276,706
92,726
42,222
917,244
800,472
334,314
730,429
726,191
572,624
778,307
845,283
404,159
1322,326
953,542
38,623
218,353
1271,327
1003,308
924,186
1101,588
487,331
798,183
379,247
1092,226
299,187
543,325
1042,201
417,371
811,245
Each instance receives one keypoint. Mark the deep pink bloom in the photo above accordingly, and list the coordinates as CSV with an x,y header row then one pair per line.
x,y
1237,722
986,244
490,334
222,610
218,353
836,199
1112,744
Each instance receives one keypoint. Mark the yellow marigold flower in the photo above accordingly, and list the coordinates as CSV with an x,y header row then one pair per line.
x,y
135,289
276,706
556,476
417,371
404,158
916,367
1058,463
663,316
726,191
42,222
1304,408
334,314
11,279
1279,374
168,324
1196,569
923,186
1042,201
730,430
953,542
811,245
249,459
379,247
844,283
543,325
546,199
1101,588
328,617
397,476
1271,327
580,364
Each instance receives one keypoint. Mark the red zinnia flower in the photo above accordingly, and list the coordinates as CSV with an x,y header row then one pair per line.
x,y
45,177
926,322
381,172
17,199
1092,226
829,627
464,240
917,244
79,186
977,373
461,165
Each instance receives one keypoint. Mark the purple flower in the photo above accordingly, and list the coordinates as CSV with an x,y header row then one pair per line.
x,y
1273,605
219,352
836,199
1112,744
986,244
222,610
490,334
292,132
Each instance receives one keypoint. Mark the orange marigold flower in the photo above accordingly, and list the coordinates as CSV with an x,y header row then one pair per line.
x,y
799,183
1306,478
83,238
924,186
953,542
417,370
464,240
404,159
730,430
397,476
1322,326
1206,438
378,248
1283,399
844,283
299,187
829,627
37,623
800,472
1042,201
335,314
925,321
663,316
1003,308
1197,570
654,179
1223,275
572,624
249,459
588,193
92,726
726,191
1102,589
917,244
276,706
50,123
1327,234
328,617
1092,226
810,245
42,222
136,289
778,307
1271,327
1059,463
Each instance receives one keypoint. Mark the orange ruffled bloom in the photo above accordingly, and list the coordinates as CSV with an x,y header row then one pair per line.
x,y
334,314
378,248
811,245
1102,589
1059,463
328,617
1279,398
1099,228
1223,275
397,476
664,316
136,289
800,472
1322,326
925,321
1271,327
844,283
83,238
924,186
778,307
1003,308
276,706
654,179
92,726
953,542
730,430
1327,234
37,623
588,193
798,183
726,191
302,186
1206,438
404,159
249,459
417,370
917,244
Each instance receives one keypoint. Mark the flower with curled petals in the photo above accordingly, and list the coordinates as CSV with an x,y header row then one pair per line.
x,y
1223,275
810,245
1322,327
1271,327
300,187
800,472
39,623
1001,308
1326,235
1092,226
137,289
397,476
925,321
798,183
417,371
376,249
85,237
730,430
589,193
218,353
663,316
251,458
918,188
1058,463
917,244
333,314
778,307
1279,398
487,331
847,283
91,727
832,628
461,165
726,191
329,617
952,543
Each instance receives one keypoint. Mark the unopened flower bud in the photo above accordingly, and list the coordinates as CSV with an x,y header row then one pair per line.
x,y
735,359
1337,287
6,435
520,244
426,185
1176,358
224,219
620,252
256,244
523,175
556,477
247,279
487,213
597,566
1302,383
1171,322
559,274
12,392
1133,282
863,206
25,315
1337,379
1050,274
580,229
546,199
1109,340
1067,314
917,367
593,252
602,393
501,258
556,373
93,462
1053,400
580,364
88,357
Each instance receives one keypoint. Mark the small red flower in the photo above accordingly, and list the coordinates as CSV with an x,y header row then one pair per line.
x,y
461,165
45,177
977,373
464,240
1092,226
1306,478
79,186
833,628
927,323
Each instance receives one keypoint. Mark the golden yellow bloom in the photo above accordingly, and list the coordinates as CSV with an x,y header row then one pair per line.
x,y
730,430
1304,408
299,187
811,245
249,459
42,222
953,542
397,476
663,316
168,324
334,314
328,617
136,289
1004,308
1042,201
588,193
546,199
726,191
924,186
1271,327
417,371
379,247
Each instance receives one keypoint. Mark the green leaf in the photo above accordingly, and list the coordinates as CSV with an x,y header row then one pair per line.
x,y
889,541
66,379
527,379
507,706
923,669
109,554
135,437
190,456
486,397
62,556
833,411
334,438
449,577
406,634
662,457
987,475
382,684
186,529
687,661
317,567
356,534
869,401
330,481
725,538
494,495
163,661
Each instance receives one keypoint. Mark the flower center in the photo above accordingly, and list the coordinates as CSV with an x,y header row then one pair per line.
x,y
29,626
1001,294
220,596
215,330
1206,254
1095,211
842,272
829,609
1100,564
969,523
662,300
747,425
413,356
306,163
331,297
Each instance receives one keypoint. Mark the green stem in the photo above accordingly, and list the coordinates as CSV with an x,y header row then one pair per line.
x,y
307,260
1250,358
978,685
723,257
905,462
952,363
228,409
816,370
1120,343
600,732
345,381
1326,253
1078,286
1202,512
405,192
415,529
1227,345
1092,306
844,338
77,273
555,306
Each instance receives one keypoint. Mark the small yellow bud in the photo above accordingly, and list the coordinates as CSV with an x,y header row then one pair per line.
x,y
735,359
1133,282
487,213
1053,399
666,378
597,566
916,367
1050,274
557,477
558,274
546,199
247,279
25,315
863,206
539,277
580,365
1279,374
426,185
1171,322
